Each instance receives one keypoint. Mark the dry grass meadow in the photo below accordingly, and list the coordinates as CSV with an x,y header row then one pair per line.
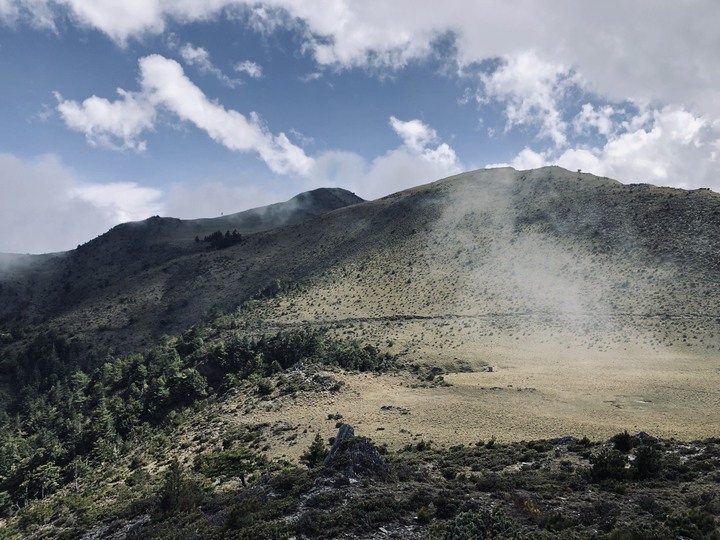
x,y
544,329
535,389
594,303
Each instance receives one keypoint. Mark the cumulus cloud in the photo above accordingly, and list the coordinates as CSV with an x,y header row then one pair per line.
x,y
166,83
251,69
119,124
598,118
418,138
670,57
532,92
655,146
421,158
414,134
119,20
200,58
48,208
112,124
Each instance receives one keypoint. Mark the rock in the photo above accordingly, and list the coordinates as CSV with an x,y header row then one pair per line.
x,y
563,441
354,456
391,408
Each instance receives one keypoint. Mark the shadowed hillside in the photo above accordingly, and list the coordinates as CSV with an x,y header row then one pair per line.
x,y
33,288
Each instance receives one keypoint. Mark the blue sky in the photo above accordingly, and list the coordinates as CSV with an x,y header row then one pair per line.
x,y
115,111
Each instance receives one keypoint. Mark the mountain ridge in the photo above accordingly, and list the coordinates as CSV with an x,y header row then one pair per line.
x,y
130,248
547,274
445,322
478,211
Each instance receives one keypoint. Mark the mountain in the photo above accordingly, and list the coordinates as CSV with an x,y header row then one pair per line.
x,y
545,243
496,267
173,375
545,274
35,288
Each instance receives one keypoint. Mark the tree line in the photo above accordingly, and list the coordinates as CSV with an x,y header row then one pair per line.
x,y
218,240
71,410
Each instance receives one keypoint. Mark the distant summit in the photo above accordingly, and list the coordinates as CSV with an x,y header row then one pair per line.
x,y
298,209
120,256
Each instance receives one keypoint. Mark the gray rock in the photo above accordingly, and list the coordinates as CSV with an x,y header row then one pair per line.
x,y
355,457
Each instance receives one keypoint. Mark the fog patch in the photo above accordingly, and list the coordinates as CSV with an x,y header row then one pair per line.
x,y
46,208
213,198
519,257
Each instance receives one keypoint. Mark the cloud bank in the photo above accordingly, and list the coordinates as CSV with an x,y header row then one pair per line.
x,y
58,210
623,48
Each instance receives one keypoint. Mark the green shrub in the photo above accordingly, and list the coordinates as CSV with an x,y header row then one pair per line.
x,y
622,442
425,514
265,387
316,452
608,464
233,463
692,524
647,463
178,492
478,525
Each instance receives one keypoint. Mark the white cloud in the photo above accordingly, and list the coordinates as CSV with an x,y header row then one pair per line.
x,y
195,56
400,169
415,162
200,58
310,77
119,124
667,146
263,18
37,13
414,134
47,208
661,153
599,119
121,201
526,159
165,82
213,198
418,137
532,92
111,124
119,20
670,57
251,69
8,10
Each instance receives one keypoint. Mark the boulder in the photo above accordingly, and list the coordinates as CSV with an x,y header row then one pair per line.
x,y
355,457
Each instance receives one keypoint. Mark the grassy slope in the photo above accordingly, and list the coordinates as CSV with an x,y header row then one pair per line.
x,y
592,301
227,489
546,275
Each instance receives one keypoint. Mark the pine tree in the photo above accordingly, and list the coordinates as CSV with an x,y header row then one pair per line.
x,y
316,453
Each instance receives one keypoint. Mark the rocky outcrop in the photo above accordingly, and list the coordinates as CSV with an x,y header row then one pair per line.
x,y
355,457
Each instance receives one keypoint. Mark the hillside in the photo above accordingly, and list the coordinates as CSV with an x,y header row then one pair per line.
x,y
496,305
35,288
543,273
